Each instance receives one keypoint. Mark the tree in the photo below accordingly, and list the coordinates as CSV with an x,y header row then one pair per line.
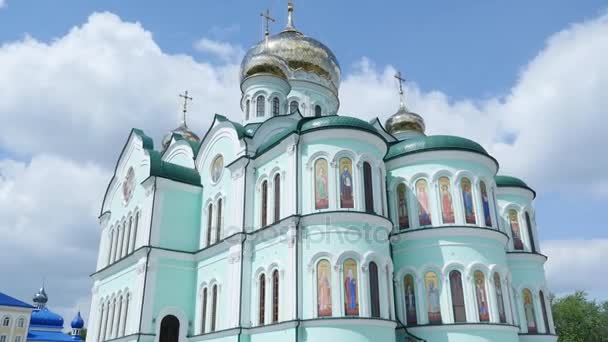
x,y
578,319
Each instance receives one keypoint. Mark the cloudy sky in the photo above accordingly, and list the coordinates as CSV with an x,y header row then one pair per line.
x,y
527,80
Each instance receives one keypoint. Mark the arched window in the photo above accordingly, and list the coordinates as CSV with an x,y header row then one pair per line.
x,y
351,288
515,230
402,211
485,201
481,296
169,329
275,106
6,321
374,289
431,283
467,199
367,186
543,307
293,106
204,311
499,299
345,167
264,212
529,311
218,221
247,109
410,299
209,223
321,189
275,296
445,194
317,110
422,194
262,299
135,227
126,315
260,106
118,314
277,197
21,322
121,235
214,308
530,235
324,288
458,307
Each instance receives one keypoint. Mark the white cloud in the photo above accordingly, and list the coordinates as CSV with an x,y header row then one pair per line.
x,y
576,265
2,3
222,50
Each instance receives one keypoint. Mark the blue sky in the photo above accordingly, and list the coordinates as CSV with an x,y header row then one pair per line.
x,y
466,60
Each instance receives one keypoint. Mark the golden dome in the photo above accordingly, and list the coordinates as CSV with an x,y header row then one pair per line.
x,y
404,121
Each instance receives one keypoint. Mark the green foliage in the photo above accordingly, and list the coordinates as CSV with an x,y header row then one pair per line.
x,y
578,319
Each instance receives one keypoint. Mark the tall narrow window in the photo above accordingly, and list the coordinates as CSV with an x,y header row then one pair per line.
x,y
422,194
204,311
213,308
467,200
126,316
445,193
323,288
485,201
260,106
367,185
515,230
209,223
247,109
262,299
500,299
135,226
318,110
529,311
277,197
21,323
481,296
264,212
293,106
543,307
321,190
402,211
374,289
6,321
351,285
530,235
127,246
410,300
458,308
218,221
275,106
433,306
275,296
345,168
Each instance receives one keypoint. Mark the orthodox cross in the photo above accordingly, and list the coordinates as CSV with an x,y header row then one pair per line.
x,y
268,19
400,79
186,98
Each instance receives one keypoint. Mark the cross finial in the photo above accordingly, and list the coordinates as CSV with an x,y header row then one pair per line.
x,y
400,80
268,19
290,26
186,98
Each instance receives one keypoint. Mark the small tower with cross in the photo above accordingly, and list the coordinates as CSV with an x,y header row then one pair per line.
x,y
185,109
182,131
404,124
268,19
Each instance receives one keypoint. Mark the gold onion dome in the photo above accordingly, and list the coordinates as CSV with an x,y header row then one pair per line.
x,y
290,51
404,121
182,131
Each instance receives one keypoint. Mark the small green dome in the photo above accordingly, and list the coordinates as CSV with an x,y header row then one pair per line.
x,y
433,143
512,182
337,122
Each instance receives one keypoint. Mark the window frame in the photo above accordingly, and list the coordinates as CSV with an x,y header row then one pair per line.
x,y
260,106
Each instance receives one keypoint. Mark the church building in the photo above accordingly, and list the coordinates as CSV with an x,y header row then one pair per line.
x,y
299,224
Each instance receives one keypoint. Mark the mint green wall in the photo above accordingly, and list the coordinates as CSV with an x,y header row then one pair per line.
x,y
348,333
456,334
212,270
179,218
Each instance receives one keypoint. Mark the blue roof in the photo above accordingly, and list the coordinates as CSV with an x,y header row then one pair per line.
x,y
7,300
77,322
46,318
49,336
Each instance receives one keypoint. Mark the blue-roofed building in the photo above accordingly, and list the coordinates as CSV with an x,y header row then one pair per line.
x,y
47,326
14,319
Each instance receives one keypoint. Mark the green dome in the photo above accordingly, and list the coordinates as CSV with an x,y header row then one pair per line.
x,y
336,121
433,143
512,182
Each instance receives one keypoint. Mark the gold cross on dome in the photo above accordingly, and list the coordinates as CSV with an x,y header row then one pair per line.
x,y
186,99
268,19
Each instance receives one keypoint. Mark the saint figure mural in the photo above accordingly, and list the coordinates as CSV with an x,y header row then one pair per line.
x,y
323,288
321,194
346,183
216,168
467,199
529,312
351,300
500,299
482,298
410,300
424,215
515,230
447,210
486,204
404,219
432,297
